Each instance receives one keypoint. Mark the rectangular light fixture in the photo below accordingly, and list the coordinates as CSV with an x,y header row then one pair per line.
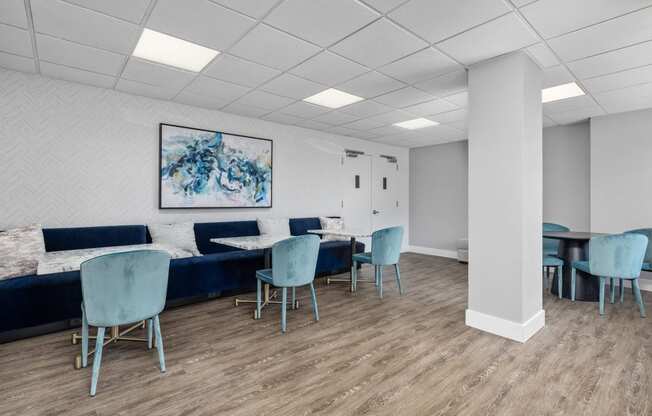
x,y
165,49
333,98
561,92
417,123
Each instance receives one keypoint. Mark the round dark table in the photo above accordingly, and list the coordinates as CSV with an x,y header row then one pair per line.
x,y
574,246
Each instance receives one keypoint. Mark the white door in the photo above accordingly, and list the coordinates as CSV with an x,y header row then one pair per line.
x,y
385,191
356,192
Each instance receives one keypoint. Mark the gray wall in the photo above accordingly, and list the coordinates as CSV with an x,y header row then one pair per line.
x,y
566,175
438,186
439,195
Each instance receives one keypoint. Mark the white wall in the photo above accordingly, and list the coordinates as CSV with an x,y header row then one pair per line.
x,y
566,175
77,155
621,174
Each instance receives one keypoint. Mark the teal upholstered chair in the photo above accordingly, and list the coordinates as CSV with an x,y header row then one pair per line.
x,y
385,251
615,257
550,245
294,262
647,260
558,265
120,289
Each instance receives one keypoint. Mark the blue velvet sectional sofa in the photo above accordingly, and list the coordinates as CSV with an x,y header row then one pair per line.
x,y
34,304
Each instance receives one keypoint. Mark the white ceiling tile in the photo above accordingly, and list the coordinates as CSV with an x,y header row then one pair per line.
x,y
504,34
292,86
555,17
211,87
378,44
147,90
323,22
245,110
335,118
370,85
262,99
642,75
131,10
282,118
388,129
312,124
342,131
156,74
364,124
253,8
17,63
366,108
12,12
404,97
76,75
446,84
460,99
304,110
384,6
199,21
365,135
450,117
67,53
273,48
548,122
329,69
543,55
461,125
420,66
569,104
15,40
198,100
612,34
627,99
437,20
614,61
67,21
392,117
521,3
556,75
430,107
233,69
579,114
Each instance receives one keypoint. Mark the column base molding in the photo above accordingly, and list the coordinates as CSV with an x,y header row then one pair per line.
x,y
515,331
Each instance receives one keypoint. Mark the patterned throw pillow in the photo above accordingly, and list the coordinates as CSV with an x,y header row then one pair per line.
x,y
335,224
180,235
274,226
20,250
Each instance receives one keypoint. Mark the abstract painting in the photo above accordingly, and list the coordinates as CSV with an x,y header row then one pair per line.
x,y
210,169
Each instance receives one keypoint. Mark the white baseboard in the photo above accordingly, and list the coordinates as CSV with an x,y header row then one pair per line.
x,y
506,328
433,251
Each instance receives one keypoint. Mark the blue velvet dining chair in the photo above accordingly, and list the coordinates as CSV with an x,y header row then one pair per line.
x,y
385,251
551,245
551,254
558,265
120,289
294,262
615,257
647,260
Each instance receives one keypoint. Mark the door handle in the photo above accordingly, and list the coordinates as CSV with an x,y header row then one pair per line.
x,y
375,212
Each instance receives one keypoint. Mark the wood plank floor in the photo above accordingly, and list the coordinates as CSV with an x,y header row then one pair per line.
x,y
409,355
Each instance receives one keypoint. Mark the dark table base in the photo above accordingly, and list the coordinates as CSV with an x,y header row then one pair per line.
x,y
587,288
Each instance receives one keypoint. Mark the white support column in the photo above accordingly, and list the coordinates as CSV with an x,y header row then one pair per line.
x,y
505,197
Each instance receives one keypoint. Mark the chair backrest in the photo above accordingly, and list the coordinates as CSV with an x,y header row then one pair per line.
x,y
121,288
386,245
550,244
294,260
619,255
648,233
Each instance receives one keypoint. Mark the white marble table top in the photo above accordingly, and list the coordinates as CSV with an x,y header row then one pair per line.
x,y
253,242
342,233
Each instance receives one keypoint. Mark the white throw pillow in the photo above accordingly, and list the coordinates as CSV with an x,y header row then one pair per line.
x,y
333,224
274,226
20,250
180,235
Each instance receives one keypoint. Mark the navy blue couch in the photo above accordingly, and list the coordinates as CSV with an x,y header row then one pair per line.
x,y
38,304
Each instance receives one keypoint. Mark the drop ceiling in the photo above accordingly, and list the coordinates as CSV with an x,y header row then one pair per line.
x,y
406,58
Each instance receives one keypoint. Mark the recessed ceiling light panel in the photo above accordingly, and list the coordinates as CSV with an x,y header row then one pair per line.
x,y
333,98
561,92
165,49
417,123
